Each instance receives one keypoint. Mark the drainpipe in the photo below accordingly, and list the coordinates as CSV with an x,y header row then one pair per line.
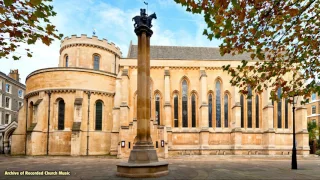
x,y
49,93
25,144
88,123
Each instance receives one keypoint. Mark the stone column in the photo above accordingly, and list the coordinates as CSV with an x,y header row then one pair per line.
x,y
167,105
236,124
302,135
204,119
167,110
267,123
116,119
124,108
76,127
143,160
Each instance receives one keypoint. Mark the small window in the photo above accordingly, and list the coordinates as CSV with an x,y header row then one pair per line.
x,y
96,62
99,115
67,61
20,104
8,102
8,88
7,119
0,84
0,100
61,111
20,93
313,97
314,109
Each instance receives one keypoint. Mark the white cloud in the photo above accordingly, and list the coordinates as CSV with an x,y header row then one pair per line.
x,y
114,24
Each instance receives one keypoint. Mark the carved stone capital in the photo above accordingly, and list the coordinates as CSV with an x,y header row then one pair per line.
x,y
166,72
203,73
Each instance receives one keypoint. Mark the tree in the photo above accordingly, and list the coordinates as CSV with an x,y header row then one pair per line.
x,y
283,34
25,21
312,129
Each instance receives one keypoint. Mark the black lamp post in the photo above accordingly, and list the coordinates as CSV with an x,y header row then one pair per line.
x,y
294,150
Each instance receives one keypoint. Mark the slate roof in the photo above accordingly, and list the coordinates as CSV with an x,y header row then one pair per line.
x,y
186,53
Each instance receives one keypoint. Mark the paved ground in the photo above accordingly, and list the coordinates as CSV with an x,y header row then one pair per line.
x,y
182,167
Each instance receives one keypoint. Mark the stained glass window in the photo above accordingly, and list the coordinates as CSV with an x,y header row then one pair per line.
x,y
184,103
242,111
257,111
175,104
158,108
210,110
218,105
99,115
249,105
279,110
193,110
61,110
286,114
226,109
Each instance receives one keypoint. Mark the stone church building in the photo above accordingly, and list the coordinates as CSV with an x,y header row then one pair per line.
x,y
87,105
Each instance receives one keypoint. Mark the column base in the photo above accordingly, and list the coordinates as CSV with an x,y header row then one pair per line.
x,y
143,163
145,170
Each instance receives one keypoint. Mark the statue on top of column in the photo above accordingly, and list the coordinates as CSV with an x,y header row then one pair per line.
x,y
143,19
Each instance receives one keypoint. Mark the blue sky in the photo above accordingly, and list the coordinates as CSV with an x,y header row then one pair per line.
x,y
112,20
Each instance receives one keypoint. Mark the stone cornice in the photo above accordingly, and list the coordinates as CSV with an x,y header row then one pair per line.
x,y
68,90
88,45
77,69
213,68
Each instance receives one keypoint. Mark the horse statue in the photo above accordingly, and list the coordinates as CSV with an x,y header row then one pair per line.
x,y
149,19
143,19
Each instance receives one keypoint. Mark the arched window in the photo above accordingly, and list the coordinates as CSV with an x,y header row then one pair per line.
x,y
218,104
99,115
249,108
257,111
61,109
286,114
193,108
157,105
175,111
241,104
210,110
226,109
184,103
30,112
67,61
96,62
279,109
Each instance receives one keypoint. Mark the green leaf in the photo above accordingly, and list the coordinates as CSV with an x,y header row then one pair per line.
x,y
35,2
16,58
8,2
